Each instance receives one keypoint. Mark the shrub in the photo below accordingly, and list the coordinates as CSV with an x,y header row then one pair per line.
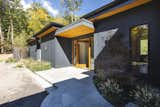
x,y
146,96
34,65
11,60
97,81
126,82
121,88
19,65
112,91
26,61
101,75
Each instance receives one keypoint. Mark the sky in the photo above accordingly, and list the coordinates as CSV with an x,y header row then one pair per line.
x,y
54,7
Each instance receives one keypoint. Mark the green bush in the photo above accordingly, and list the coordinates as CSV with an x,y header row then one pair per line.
x,y
117,89
97,81
19,65
11,60
100,74
34,65
127,83
112,91
146,96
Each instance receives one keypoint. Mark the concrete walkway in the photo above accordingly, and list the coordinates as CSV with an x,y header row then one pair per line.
x,y
19,88
75,89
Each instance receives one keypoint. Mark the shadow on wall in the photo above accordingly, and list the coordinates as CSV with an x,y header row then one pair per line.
x,y
64,52
29,101
114,57
57,50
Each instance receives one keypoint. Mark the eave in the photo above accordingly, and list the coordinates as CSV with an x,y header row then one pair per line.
x,y
103,12
50,30
51,27
75,29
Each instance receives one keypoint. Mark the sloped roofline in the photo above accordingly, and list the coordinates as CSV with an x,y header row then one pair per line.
x,y
51,24
113,8
115,4
110,5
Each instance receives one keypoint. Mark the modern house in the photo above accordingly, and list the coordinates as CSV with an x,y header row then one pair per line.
x,y
120,36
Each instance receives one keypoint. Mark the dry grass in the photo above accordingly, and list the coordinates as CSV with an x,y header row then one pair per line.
x,y
34,65
4,57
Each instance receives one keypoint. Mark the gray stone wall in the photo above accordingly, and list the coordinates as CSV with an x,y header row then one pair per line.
x,y
32,51
48,51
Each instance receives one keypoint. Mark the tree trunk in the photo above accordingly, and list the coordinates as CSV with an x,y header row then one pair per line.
x,y
1,39
12,36
8,33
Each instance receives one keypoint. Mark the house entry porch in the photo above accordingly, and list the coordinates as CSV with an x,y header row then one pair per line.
x,y
82,53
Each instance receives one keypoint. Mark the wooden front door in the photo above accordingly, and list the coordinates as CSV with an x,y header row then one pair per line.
x,y
81,53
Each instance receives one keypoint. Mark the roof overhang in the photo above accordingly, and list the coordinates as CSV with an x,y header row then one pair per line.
x,y
102,13
49,28
31,40
75,29
52,29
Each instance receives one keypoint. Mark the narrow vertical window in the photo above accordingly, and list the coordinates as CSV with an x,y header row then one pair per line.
x,y
139,48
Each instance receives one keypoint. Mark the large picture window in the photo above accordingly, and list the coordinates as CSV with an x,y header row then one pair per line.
x,y
139,47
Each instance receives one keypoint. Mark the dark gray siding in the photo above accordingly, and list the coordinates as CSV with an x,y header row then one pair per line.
x,y
63,52
146,14
155,43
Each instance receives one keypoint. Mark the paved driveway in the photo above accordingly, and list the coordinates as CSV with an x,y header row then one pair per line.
x,y
18,88
75,89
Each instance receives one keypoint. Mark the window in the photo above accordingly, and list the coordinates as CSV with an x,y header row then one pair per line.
x,y
139,47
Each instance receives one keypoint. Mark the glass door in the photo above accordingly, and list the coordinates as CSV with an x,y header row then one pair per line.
x,y
81,53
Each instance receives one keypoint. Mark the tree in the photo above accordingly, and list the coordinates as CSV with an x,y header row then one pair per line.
x,y
20,45
38,17
1,33
71,6
17,25
12,21
14,13
61,20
